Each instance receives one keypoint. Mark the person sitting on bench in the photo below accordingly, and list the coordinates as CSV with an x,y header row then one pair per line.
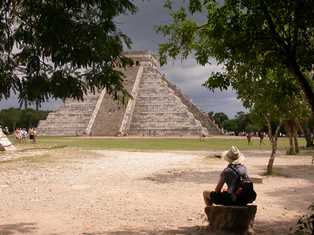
x,y
240,189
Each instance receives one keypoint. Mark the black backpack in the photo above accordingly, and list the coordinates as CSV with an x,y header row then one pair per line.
x,y
245,190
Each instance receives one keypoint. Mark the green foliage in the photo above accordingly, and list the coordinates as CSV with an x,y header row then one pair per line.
x,y
61,48
26,118
248,37
242,122
273,95
219,118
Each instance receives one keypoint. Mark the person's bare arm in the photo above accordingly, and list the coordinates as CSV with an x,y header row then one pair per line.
x,y
220,184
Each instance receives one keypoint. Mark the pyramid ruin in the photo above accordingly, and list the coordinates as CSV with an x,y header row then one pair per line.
x,y
158,108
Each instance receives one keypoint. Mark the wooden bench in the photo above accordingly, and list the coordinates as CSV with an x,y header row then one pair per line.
x,y
231,219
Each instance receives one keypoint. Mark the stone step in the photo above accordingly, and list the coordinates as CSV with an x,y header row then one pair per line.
x,y
150,70
66,120
155,94
167,115
160,118
164,104
152,84
60,125
158,89
152,79
158,109
154,99
69,114
78,102
86,102
62,128
82,108
165,125
165,132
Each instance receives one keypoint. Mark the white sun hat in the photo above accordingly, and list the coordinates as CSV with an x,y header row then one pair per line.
x,y
233,156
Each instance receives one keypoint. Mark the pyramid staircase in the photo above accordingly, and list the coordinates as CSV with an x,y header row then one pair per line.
x,y
159,112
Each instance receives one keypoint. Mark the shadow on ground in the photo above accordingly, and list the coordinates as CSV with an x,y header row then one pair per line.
x,y
291,200
284,227
8,229
195,230
296,171
187,176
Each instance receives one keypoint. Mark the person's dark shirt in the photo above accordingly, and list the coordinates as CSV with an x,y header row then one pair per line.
x,y
231,178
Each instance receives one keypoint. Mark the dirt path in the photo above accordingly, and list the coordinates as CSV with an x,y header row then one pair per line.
x,y
128,193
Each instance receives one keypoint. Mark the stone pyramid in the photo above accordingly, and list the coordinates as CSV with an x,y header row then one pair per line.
x,y
158,108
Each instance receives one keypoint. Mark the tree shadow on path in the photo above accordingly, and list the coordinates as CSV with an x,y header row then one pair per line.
x,y
195,230
188,176
8,229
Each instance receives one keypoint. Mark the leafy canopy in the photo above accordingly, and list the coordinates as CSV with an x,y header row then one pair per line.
x,y
61,48
246,36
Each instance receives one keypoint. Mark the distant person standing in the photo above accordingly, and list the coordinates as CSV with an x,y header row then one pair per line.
x,y
35,135
32,135
18,136
6,130
24,135
261,136
249,137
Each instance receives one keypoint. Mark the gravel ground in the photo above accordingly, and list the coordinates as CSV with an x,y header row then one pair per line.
x,y
69,191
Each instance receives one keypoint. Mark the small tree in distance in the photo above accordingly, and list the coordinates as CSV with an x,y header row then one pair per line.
x,y
274,99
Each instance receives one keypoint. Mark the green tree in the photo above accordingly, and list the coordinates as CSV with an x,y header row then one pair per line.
x,y
220,118
276,98
231,125
61,48
241,34
26,118
242,122
10,118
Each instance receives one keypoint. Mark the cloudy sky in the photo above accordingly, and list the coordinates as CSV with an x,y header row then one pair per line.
x,y
187,75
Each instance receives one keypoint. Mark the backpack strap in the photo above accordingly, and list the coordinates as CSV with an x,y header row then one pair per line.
x,y
234,170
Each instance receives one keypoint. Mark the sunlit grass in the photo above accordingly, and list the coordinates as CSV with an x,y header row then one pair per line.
x,y
212,143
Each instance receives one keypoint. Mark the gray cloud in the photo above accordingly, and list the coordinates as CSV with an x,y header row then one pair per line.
x,y
189,77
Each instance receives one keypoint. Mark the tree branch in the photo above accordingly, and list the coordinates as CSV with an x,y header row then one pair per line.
x,y
284,47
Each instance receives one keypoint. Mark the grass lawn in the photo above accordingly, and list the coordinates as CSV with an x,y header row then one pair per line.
x,y
212,143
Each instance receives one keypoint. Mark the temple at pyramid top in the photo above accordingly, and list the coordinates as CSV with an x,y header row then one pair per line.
x,y
158,108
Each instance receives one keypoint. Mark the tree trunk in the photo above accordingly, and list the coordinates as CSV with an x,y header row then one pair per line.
x,y
305,84
291,150
290,132
308,137
295,136
272,157
306,132
273,139
296,143
37,105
